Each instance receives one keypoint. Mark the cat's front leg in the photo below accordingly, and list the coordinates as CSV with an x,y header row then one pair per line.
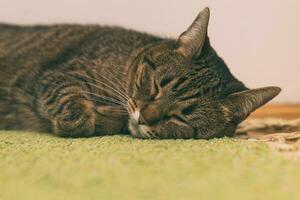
x,y
63,101
76,120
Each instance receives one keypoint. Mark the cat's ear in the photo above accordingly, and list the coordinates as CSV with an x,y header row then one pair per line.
x,y
191,41
242,104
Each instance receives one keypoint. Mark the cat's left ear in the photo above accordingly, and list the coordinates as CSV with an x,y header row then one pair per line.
x,y
190,42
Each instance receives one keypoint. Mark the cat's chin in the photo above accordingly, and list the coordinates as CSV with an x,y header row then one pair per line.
x,y
139,131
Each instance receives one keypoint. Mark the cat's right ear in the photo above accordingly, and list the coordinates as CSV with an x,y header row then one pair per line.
x,y
191,41
242,104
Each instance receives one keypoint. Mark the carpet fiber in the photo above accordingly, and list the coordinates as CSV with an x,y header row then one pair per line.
x,y
40,166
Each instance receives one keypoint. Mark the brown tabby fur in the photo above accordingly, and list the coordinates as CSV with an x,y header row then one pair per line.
x,y
79,80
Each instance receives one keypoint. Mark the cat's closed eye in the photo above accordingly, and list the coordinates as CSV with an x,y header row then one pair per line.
x,y
178,118
154,89
188,110
165,81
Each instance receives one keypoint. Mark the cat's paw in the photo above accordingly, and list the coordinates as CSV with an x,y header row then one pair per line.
x,y
77,120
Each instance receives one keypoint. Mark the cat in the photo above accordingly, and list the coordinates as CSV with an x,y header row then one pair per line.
x,y
89,80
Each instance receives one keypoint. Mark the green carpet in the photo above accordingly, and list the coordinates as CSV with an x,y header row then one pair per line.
x,y
38,166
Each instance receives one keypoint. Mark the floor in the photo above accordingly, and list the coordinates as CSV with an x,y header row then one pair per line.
x,y
286,111
278,125
40,166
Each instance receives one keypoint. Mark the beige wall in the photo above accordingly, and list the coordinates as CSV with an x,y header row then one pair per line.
x,y
259,39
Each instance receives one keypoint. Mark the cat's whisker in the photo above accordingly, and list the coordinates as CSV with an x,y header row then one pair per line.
x,y
108,86
115,108
108,99
109,91
106,102
114,83
109,103
114,89
119,114
111,82
121,84
119,111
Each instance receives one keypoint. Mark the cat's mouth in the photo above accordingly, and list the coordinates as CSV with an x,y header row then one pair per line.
x,y
140,131
136,129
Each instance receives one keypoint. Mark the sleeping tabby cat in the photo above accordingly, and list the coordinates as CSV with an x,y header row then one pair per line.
x,y
79,81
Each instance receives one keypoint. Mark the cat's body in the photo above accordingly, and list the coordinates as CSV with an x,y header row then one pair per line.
x,y
29,53
75,80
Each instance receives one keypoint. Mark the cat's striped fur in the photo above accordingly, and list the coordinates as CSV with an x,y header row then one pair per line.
x,y
45,68
74,80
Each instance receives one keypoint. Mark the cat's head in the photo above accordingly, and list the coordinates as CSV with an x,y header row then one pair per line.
x,y
183,89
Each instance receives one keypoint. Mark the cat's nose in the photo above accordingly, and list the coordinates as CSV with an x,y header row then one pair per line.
x,y
149,115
